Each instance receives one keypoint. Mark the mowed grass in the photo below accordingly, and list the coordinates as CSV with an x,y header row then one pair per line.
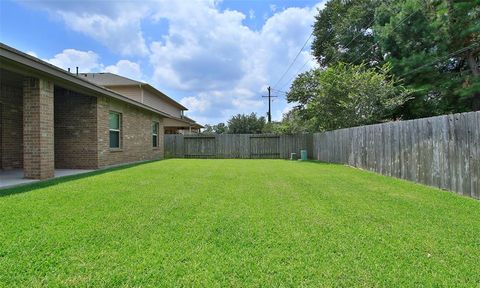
x,y
217,223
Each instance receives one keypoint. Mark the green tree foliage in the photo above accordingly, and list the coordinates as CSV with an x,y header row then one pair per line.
x,y
433,45
345,95
208,129
408,44
291,123
219,128
343,31
435,34
246,124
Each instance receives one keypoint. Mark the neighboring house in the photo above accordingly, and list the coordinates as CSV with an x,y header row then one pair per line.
x,y
50,118
144,93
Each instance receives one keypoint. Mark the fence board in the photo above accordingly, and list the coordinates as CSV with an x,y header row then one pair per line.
x,y
439,151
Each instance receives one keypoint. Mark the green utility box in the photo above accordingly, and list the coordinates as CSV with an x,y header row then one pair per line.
x,y
303,155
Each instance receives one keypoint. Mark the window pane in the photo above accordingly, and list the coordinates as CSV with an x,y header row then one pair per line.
x,y
155,140
114,120
114,139
154,128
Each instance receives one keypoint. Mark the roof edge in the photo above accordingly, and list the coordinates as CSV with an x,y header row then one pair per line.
x,y
163,95
55,72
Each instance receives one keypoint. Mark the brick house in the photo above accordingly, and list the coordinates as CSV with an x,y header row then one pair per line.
x,y
53,119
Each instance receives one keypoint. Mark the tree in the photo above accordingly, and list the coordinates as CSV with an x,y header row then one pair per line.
x,y
291,123
423,50
433,45
246,124
219,128
346,95
343,31
208,129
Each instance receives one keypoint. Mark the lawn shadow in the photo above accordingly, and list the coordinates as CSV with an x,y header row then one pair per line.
x,y
24,188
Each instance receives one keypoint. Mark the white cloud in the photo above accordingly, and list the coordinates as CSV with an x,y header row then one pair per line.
x,y
223,64
121,34
86,61
126,68
206,53
115,24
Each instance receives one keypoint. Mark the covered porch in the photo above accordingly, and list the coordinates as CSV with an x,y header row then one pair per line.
x,y
46,130
183,126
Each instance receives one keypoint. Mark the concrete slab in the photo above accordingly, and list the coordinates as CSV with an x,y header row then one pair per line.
x,y
11,178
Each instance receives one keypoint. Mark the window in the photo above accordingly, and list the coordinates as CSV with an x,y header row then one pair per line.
x,y
115,124
155,134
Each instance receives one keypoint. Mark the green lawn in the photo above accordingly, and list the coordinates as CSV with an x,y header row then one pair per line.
x,y
237,223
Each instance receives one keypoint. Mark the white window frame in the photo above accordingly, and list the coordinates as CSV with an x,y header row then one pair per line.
x,y
119,130
157,125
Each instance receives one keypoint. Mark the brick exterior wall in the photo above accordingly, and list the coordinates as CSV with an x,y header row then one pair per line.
x,y
75,130
11,131
136,133
43,129
38,133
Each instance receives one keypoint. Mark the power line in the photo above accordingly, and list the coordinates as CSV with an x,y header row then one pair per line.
x,y
441,58
358,34
355,37
296,74
306,62
294,59
280,91
346,46
423,66
376,43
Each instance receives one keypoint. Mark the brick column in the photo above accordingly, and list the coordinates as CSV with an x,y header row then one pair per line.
x,y
38,133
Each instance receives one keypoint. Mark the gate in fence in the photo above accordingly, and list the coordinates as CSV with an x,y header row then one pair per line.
x,y
264,147
199,147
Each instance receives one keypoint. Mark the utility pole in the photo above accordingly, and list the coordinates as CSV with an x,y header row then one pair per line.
x,y
269,113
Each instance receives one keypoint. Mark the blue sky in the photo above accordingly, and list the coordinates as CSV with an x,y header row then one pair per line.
x,y
215,57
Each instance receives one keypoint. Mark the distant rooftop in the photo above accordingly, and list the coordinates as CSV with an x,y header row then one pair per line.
x,y
109,79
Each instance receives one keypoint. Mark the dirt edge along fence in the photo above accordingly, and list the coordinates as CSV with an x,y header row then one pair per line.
x,y
442,151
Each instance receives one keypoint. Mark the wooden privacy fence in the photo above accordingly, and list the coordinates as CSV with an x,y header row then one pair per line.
x,y
441,151
236,146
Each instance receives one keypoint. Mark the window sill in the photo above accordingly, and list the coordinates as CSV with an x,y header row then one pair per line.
x,y
116,150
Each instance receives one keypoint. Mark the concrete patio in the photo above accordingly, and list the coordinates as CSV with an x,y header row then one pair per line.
x,y
11,178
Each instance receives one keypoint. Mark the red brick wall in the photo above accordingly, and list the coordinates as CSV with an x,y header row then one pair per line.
x,y
11,131
136,135
38,141
75,130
